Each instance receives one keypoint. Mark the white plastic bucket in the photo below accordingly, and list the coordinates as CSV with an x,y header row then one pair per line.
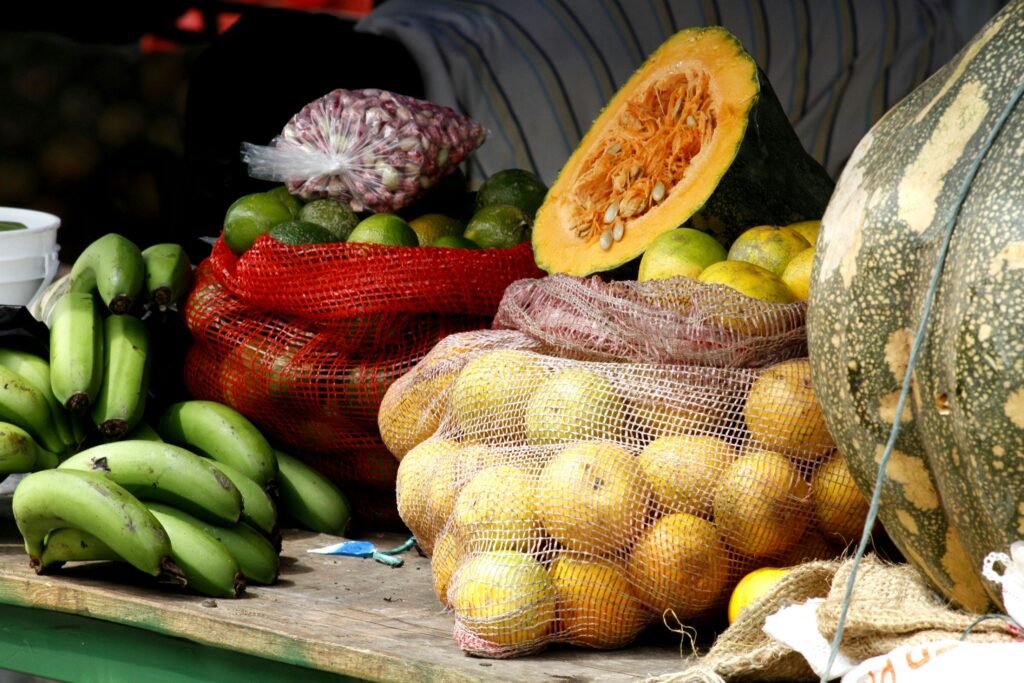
x,y
22,291
38,240
28,258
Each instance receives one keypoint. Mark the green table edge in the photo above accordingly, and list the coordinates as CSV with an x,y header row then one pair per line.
x,y
70,647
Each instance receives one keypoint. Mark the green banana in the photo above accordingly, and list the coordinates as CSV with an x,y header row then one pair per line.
x,y
143,432
163,472
72,545
168,273
310,498
24,405
76,351
122,397
53,499
206,563
18,450
36,371
46,460
221,433
257,559
257,506
113,267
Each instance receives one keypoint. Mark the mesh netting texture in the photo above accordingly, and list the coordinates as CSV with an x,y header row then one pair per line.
x,y
374,149
305,341
566,499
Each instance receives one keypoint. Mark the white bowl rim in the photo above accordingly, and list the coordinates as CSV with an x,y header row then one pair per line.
x,y
32,218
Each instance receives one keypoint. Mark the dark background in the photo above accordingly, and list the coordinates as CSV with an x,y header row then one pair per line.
x,y
116,119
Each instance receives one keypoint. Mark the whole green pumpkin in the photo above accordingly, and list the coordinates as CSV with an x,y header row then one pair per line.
x,y
954,490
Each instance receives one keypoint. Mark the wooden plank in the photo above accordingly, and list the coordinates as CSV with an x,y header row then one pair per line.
x,y
345,615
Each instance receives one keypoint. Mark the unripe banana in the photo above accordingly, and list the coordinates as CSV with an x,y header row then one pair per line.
x,y
143,432
24,405
256,557
221,433
122,397
18,450
113,267
163,472
36,371
206,563
76,350
54,499
310,498
46,460
72,545
257,506
168,273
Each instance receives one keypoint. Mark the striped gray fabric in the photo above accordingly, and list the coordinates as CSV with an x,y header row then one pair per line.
x,y
537,72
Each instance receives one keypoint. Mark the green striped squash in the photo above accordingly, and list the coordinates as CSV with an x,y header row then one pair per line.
x,y
955,485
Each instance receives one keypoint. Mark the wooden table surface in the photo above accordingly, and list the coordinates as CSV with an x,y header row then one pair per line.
x,y
344,615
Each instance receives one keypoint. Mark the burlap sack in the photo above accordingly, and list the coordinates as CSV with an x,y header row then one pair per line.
x,y
891,606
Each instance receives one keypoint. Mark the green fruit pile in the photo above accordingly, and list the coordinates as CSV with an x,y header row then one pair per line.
x,y
500,215
194,510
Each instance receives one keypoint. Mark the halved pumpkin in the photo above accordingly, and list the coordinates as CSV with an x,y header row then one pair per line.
x,y
696,137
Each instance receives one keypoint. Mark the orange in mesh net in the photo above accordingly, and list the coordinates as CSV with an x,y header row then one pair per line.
x,y
572,493
305,341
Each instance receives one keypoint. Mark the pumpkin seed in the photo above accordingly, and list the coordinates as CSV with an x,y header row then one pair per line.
x,y
606,239
618,231
615,149
611,212
658,193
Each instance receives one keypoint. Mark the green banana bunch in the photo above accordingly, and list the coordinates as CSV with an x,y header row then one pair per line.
x,y
168,273
54,499
18,450
72,545
24,405
122,397
257,559
310,498
113,267
46,460
143,432
163,472
76,351
206,563
36,371
258,507
220,433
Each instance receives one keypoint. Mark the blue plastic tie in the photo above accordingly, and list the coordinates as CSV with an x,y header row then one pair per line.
x,y
365,549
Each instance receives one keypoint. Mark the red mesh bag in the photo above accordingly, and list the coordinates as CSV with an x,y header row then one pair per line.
x,y
305,341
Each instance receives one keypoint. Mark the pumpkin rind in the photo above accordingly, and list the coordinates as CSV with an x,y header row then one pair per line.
x,y
752,171
955,485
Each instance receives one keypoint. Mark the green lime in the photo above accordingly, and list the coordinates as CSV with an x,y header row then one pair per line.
x,y
282,194
514,187
12,225
430,226
250,216
335,215
498,227
384,228
302,232
455,242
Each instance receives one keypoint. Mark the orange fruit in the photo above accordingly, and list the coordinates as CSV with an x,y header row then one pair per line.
x,y
679,564
768,246
683,252
797,274
595,603
761,504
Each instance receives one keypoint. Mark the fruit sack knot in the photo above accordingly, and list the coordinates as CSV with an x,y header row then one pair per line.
x,y
375,149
